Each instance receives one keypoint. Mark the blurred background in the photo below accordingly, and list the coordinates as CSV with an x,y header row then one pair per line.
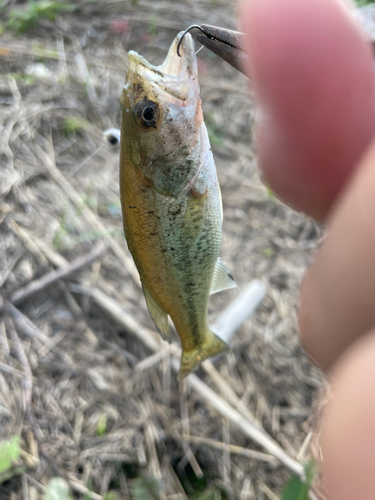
x,y
83,396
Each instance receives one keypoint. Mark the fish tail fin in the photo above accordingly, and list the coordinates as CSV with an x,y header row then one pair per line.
x,y
212,346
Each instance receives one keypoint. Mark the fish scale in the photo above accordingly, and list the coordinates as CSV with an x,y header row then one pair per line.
x,y
171,200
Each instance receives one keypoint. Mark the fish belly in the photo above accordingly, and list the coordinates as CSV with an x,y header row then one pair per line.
x,y
175,243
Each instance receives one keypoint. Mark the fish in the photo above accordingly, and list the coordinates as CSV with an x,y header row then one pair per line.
x,y
170,198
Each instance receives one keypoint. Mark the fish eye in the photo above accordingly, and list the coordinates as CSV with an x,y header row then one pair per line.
x,y
147,114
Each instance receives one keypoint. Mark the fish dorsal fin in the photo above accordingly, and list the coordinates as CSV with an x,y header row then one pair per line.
x,y
222,278
158,315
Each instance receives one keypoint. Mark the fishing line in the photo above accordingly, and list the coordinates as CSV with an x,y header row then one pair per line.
x,y
86,160
197,52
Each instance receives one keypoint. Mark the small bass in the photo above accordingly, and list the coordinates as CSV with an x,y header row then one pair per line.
x,y
171,200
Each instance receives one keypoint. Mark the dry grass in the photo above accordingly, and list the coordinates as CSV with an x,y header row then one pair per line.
x,y
71,382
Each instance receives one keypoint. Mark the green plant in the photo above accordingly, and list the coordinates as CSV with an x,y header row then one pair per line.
x,y
9,453
57,489
270,193
22,20
296,489
22,78
101,428
74,124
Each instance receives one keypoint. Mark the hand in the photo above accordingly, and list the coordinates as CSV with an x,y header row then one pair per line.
x,y
313,74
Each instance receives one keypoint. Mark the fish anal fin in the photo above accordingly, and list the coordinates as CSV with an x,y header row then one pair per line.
x,y
222,279
190,360
158,315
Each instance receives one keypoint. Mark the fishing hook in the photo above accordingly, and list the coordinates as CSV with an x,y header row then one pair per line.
x,y
194,26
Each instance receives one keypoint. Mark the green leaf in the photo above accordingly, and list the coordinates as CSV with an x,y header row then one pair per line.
x,y
57,489
311,471
9,452
296,489
24,19
74,124
102,425
270,193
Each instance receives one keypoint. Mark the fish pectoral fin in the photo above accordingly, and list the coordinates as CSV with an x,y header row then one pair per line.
x,y
222,279
158,315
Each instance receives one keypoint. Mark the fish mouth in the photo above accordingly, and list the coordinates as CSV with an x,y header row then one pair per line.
x,y
174,71
184,66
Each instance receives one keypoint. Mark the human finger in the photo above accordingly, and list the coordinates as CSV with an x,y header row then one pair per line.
x,y
338,293
312,72
348,432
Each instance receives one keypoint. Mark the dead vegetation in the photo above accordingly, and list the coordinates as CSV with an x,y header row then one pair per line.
x,y
88,386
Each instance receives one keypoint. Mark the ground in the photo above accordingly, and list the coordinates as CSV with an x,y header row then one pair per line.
x,y
74,383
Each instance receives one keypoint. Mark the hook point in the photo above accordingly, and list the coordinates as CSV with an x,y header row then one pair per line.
x,y
194,26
